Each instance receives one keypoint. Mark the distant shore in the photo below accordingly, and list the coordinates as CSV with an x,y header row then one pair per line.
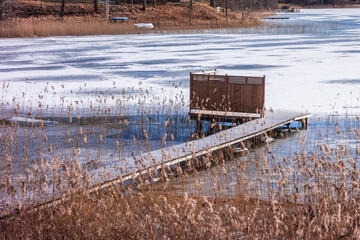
x,y
33,20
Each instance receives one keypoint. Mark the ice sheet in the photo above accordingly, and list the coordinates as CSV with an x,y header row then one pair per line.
x,y
314,67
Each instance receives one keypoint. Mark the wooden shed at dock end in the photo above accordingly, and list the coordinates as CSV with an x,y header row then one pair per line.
x,y
226,96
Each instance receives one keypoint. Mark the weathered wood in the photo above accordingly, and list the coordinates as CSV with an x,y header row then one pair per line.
x,y
196,112
130,168
225,93
185,151
198,125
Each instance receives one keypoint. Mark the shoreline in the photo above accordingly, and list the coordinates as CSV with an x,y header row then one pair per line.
x,y
96,28
169,17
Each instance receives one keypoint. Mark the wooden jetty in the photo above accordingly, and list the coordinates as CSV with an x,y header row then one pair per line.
x,y
151,162
215,98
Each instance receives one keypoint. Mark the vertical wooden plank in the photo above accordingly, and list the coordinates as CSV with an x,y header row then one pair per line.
x,y
191,95
209,94
231,93
263,95
247,96
246,90
227,92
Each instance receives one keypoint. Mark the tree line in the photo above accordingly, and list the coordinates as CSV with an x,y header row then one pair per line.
x,y
234,5
231,4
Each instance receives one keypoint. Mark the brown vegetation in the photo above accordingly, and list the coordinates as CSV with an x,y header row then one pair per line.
x,y
27,19
317,197
308,196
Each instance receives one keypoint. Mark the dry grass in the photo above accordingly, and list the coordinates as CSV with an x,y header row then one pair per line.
x,y
163,17
80,27
326,207
308,196
311,195
68,27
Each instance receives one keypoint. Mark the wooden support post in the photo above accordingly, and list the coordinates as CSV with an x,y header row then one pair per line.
x,y
265,135
233,122
288,127
242,145
304,123
198,126
271,133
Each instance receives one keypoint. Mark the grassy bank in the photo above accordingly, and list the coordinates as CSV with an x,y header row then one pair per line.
x,y
79,27
85,22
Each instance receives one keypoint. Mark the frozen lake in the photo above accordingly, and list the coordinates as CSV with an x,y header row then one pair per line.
x,y
311,62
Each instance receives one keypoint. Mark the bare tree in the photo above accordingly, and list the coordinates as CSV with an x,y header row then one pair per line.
x,y
62,9
226,7
144,5
154,3
1,9
6,8
132,5
106,9
212,3
190,9
96,6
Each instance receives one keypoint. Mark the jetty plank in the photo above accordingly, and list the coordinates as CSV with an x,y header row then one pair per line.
x,y
119,172
130,168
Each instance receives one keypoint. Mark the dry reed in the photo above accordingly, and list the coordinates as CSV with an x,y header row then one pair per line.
x,y
311,195
164,18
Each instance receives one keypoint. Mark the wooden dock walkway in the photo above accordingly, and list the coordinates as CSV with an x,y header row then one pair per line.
x,y
128,169
155,160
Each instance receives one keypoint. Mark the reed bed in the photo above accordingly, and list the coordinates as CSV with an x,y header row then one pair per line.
x,y
55,27
52,26
308,191
71,26
316,197
81,20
